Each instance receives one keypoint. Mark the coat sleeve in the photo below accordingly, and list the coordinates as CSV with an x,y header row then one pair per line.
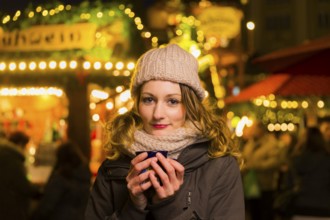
x,y
102,200
226,200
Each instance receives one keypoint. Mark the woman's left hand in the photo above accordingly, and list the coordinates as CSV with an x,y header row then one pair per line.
x,y
166,181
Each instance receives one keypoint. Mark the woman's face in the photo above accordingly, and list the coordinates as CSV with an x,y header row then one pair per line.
x,y
161,108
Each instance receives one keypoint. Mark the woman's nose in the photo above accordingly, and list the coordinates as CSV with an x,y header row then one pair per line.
x,y
158,111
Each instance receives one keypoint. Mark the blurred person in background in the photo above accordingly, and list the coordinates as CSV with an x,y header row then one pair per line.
x,y
287,143
324,125
67,189
261,154
311,165
16,191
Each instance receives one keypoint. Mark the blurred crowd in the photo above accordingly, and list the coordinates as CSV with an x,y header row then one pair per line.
x,y
278,163
274,163
63,196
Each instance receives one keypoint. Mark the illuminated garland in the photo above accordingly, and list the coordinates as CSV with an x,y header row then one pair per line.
x,y
97,13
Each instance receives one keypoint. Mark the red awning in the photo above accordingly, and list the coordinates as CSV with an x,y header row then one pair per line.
x,y
285,85
303,70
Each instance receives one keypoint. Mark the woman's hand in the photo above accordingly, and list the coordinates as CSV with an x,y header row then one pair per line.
x,y
168,180
138,179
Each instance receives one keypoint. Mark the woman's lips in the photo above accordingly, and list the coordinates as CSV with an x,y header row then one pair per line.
x,y
159,126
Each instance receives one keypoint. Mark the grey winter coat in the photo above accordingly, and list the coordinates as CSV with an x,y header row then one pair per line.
x,y
212,189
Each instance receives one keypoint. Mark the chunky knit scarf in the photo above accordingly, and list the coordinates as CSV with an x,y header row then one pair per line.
x,y
174,143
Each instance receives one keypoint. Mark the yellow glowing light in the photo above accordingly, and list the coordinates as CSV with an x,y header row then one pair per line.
x,y
147,34
277,127
87,65
111,13
140,27
38,9
220,104
116,73
44,13
127,11
240,123
92,105
266,103
2,66
154,39
291,127
304,104
99,15
122,110
196,52
12,66
52,64
109,105
73,64
54,91
179,32
271,97
52,12
42,65
131,15
284,104
108,65
125,96
320,104
137,20
31,91
96,117
18,13
126,73
97,65
32,65
270,127
273,104
61,7
119,65
130,65
63,64
284,127
68,7
31,14
32,150
250,25
22,65
121,7
119,89
230,115
295,104
99,94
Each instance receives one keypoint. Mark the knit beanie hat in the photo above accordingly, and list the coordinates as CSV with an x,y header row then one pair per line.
x,y
170,63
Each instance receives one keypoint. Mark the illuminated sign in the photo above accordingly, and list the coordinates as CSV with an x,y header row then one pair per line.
x,y
49,37
220,22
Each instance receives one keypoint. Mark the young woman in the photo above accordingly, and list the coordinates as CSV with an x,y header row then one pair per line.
x,y
200,177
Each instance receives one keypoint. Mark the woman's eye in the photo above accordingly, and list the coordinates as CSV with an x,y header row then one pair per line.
x,y
173,101
147,99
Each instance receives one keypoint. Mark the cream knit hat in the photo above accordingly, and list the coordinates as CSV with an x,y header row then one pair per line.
x,y
170,63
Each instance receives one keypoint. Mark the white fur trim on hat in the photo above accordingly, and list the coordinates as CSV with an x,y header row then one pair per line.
x,y
170,63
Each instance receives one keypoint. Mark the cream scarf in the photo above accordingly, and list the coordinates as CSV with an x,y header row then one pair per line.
x,y
174,143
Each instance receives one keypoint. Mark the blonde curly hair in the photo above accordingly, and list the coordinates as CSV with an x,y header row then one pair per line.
x,y
121,129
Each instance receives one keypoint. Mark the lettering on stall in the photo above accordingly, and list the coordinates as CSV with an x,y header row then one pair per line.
x,y
49,37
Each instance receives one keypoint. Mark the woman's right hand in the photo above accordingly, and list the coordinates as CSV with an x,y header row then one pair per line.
x,y
138,179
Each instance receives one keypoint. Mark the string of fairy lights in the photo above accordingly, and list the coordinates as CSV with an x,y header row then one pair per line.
x,y
118,68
